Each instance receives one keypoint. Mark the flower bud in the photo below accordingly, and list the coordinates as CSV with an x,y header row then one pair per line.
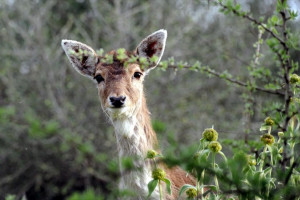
x,y
151,154
296,100
215,147
210,134
294,79
280,134
252,162
269,121
191,193
267,139
280,150
158,174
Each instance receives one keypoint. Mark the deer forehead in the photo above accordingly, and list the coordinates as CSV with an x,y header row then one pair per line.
x,y
117,70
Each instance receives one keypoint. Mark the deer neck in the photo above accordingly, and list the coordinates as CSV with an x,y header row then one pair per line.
x,y
135,137
134,134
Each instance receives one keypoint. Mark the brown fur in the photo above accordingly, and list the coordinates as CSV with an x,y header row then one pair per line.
x,y
132,122
178,177
119,80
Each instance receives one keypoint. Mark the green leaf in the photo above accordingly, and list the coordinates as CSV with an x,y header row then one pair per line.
x,y
10,197
100,52
121,54
171,61
293,14
181,64
151,186
264,128
168,184
274,19
154,59
223,155
268,170
261,19
185,187
88,194
205,152
163,65
132,59
212,187
196,66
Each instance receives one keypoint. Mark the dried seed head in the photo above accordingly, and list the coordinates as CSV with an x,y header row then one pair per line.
x,y
294,79
158,174
251,161
215,147
191,193
269,121
151,154
267,139
210,134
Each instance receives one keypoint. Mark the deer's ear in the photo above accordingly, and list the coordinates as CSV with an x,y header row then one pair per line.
x,y
82,57
153,45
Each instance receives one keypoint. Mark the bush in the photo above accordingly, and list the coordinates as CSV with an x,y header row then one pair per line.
x,y
269,170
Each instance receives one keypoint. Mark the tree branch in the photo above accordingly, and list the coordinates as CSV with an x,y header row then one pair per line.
x,y
231,80
282,42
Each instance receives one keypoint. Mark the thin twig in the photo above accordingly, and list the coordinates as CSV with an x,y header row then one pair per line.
x,y
257,23
237,82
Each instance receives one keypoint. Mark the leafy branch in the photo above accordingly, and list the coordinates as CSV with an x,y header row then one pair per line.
x,y
227,78
236,10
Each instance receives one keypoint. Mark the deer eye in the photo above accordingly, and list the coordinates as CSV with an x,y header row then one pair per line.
x,y
99,78
137,75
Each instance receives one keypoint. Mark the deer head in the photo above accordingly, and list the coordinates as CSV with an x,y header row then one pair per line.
x,y
120,88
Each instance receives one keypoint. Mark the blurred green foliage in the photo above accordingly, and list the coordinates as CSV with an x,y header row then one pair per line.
x,y
89,194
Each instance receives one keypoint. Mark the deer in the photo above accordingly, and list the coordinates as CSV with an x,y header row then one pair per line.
x,y
123,100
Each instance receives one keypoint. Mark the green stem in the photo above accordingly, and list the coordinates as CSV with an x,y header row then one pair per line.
x,y
270,173
271,156
292,153
216,179
160,190
292,143
268,188
223,156
155,163
202,181
197,186
269,130
262,159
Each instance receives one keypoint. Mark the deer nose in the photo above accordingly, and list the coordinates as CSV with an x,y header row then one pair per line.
x,y
117,102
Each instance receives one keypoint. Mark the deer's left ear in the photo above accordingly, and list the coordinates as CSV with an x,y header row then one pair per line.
x,y
153,45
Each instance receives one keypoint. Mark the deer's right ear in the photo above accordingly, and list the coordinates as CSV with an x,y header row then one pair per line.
x,y
82,57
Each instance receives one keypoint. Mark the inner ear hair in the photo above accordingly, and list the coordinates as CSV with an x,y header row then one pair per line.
x,y
153,45
82,57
